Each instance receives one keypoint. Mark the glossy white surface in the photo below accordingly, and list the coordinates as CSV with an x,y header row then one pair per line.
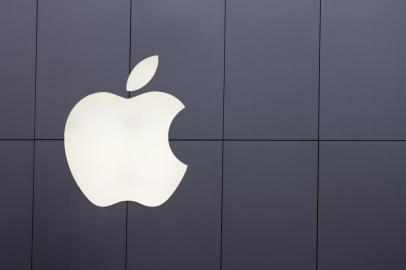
x,y
142,73
118,149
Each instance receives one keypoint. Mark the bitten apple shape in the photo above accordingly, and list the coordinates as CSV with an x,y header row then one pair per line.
x,y
118,149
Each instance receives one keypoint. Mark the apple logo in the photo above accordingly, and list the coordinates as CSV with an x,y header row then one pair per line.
x,y
118,149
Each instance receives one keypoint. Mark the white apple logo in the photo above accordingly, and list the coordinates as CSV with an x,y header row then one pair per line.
x,y
118,149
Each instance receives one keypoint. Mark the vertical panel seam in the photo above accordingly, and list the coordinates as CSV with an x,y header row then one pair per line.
x,y
223,137
129,96
129,49
34,135
318,142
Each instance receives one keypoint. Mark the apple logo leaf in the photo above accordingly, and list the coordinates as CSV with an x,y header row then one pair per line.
x,y
142,73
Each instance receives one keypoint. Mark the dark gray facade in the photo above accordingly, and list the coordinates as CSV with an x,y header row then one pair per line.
x,y
293,132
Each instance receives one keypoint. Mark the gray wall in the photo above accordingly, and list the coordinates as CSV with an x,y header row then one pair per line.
x,y
294,133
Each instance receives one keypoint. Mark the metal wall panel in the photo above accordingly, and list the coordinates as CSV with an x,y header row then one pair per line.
x,y
83,47
269,205
189,38
184,233
271,69
363,66
70,233
16,177
17,68
362,205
